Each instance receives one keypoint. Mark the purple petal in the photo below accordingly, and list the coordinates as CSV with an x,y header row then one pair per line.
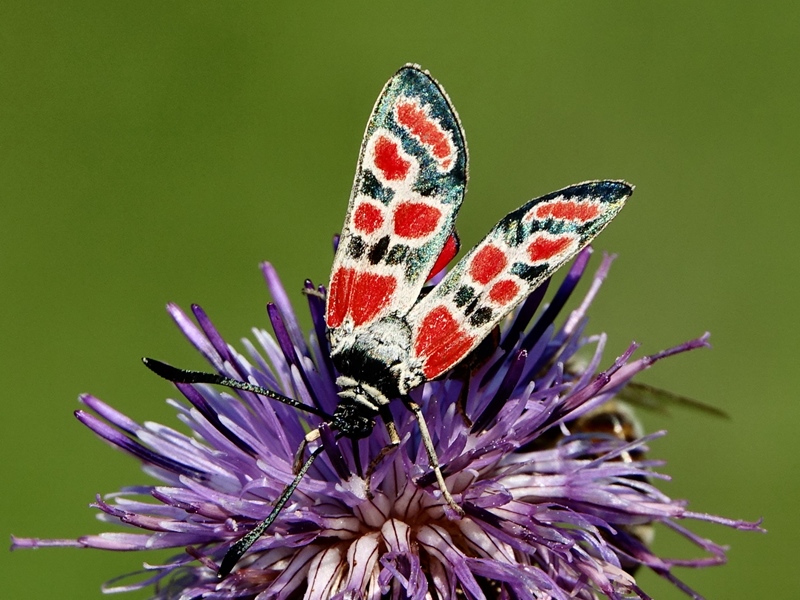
x,y
117,439
195,336
211,333
502,395
560,299
281,301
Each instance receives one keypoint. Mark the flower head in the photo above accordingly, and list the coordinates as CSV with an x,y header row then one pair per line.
x,y
554,506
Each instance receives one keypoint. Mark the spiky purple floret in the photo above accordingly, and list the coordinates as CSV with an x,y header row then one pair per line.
x,y
542,521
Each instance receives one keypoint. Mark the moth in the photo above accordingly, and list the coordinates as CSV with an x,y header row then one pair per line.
x,y
387,337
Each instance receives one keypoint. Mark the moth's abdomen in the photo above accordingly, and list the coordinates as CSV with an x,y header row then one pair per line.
x,y
377,356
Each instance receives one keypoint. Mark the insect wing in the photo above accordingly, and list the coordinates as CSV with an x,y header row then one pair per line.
x,y
522,250
656,399
652,398
409,184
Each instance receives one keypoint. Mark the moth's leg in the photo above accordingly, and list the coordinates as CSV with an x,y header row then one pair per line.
x,y
391,428
301,449
394,442
237,550
433,459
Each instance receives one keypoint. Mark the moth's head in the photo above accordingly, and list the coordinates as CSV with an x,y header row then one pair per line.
x,y
354,416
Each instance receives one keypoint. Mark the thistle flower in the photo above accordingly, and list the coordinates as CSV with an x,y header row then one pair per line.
x,y
550,511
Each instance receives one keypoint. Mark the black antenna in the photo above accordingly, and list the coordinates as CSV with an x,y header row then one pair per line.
x,y
176,375
243,545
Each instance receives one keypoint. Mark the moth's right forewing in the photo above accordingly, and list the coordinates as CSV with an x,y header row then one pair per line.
x,y
520,252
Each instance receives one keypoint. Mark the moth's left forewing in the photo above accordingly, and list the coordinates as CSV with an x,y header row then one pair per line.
x,y
520,252
410,181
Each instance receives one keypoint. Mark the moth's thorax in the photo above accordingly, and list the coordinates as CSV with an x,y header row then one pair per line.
x,y
376,358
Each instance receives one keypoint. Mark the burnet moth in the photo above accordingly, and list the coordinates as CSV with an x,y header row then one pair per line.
x,y
386,338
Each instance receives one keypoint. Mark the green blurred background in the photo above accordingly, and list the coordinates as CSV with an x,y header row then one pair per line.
x,y
159,151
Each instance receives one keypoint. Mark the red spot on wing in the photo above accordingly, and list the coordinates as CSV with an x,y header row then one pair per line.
x,y
504,291
388,160
416,220
361,295
543,248
487,264
372,293
338,296
367,218
450,249
568,210
440,342
414,118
